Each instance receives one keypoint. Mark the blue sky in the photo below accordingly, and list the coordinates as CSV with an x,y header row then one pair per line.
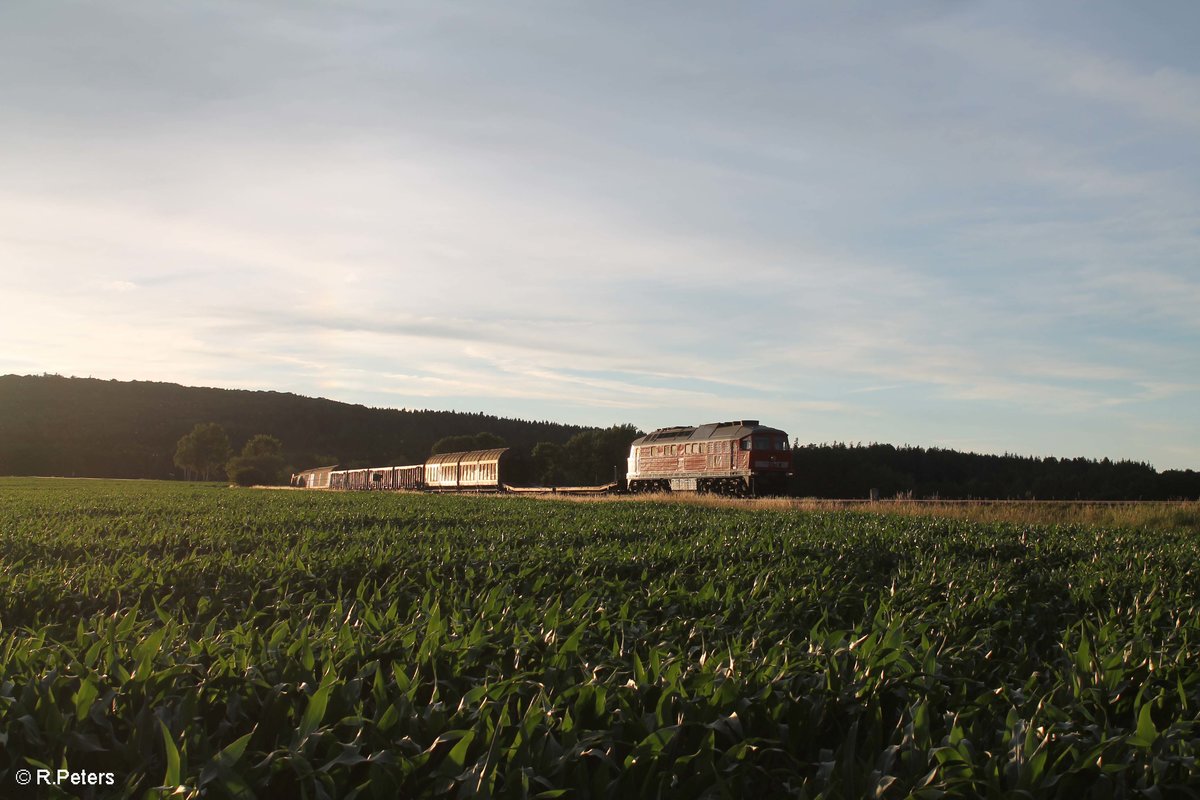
x,y
968,225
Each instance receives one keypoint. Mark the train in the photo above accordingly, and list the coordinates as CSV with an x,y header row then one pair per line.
x,y
741,457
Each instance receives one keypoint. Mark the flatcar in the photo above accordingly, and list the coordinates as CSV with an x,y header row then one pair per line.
x,y
740,458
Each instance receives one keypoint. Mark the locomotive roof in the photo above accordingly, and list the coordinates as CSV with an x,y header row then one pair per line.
x,y
703,433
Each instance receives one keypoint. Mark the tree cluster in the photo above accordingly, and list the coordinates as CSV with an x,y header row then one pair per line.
x,y
589,458
259,464
205,452
202,453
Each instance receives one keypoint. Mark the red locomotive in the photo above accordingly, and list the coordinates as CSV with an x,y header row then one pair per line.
x,y
740,457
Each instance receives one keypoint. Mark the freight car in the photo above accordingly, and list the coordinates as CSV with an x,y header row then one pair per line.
x,y
740,458
315,478
390,478
473,471
476,470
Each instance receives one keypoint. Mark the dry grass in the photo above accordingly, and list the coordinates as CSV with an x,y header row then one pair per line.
x,y
1174,515
1169,515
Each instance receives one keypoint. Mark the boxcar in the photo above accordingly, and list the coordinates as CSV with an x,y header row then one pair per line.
x,y
476,470
412,477
315,478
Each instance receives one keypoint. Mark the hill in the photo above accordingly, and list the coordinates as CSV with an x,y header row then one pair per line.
x,y
51,425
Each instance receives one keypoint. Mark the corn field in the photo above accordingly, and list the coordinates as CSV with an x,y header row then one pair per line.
x,y
201,641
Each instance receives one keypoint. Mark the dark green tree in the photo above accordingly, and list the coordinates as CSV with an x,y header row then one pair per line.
x,y
202,452
548,464
259,464
458,444
589,458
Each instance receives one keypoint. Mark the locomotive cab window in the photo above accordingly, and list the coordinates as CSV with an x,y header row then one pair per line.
x,y
746,443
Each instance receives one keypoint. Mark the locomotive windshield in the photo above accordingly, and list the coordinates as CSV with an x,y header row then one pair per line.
x,y
768,443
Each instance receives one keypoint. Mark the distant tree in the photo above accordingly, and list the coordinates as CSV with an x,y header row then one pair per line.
x,y
452,444
588,458
461,443
548,464
488,441
260,462
202,452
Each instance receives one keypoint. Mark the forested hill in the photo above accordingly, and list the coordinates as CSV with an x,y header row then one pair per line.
x,y
51,425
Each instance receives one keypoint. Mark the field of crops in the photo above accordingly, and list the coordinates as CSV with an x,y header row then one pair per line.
x,y
225,643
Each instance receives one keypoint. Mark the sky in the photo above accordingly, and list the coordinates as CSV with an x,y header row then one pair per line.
x,y
946,224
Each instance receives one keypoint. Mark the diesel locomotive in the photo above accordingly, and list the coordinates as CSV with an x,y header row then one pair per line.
x,y
738,458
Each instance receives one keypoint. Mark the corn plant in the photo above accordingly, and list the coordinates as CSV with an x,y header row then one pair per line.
x,y
200,641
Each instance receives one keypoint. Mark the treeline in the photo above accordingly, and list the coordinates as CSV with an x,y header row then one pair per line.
x,y
852,471
51,425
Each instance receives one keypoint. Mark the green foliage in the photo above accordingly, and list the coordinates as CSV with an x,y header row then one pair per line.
x,y
550,464
203,452
461,443
259,464
228,643
587,459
